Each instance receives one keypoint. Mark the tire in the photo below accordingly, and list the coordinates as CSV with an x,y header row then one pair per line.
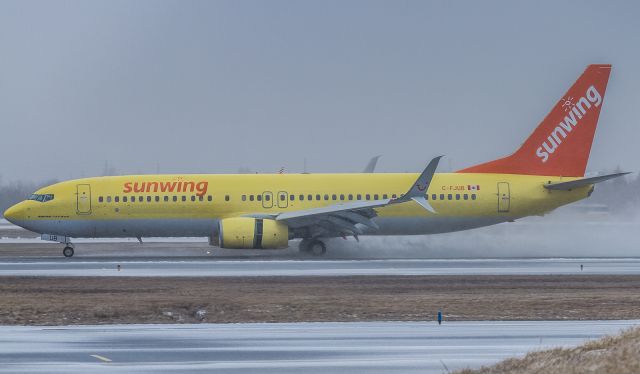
x,y
317,248
67,252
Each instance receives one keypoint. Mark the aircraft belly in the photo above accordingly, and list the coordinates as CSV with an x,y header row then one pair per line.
x,y
206,227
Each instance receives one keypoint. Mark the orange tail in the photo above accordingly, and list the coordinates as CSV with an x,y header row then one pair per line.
x,y
561,143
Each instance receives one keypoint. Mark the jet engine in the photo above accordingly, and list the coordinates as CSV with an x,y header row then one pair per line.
x,y
252,233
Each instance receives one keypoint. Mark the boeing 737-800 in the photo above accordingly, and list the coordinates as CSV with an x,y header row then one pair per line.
x,y
265,211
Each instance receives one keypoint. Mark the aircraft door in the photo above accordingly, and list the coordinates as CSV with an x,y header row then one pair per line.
x,y
83,199
267,199
283,199
504,197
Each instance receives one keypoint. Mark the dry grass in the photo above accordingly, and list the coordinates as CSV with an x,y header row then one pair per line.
x,y
89,300
618,354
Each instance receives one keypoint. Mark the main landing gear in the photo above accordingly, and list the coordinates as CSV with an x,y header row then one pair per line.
x,y
68,250
313,247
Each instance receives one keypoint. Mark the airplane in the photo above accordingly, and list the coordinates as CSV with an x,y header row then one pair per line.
x,y
266,211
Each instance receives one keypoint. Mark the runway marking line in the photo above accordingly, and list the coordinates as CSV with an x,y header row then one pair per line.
x,y
101,358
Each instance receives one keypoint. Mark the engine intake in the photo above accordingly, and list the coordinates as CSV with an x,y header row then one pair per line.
x,y
252,233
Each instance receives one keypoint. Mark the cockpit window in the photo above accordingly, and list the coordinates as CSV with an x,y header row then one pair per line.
x,y
41,197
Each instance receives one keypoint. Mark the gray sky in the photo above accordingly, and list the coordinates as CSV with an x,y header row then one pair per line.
x,y
204,86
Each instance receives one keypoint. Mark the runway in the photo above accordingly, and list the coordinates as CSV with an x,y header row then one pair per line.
x,y
204,266
374,347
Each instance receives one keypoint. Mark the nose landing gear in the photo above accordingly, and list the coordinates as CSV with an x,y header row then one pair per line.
x,y
68,247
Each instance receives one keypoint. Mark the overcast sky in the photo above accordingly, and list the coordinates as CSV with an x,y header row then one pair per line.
x,y
213,86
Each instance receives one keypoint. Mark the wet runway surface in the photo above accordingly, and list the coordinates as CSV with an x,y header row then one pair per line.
x,y
374,347
207,266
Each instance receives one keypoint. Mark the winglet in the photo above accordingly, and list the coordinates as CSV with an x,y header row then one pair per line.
x,y
419,189
425,204
371,166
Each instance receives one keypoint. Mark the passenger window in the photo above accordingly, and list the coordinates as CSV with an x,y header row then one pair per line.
x,y
175,198
434,197
140,198
309,197
100,199
116,199
342,197
350,197
301,197
108,199
457,196
292,197
157,199
368,197
466,197
441,196
333,197
450,197
148,199
244,197
209,198
226,197
473,196
166,199
193,198
375,197
184,198
201,198
394,196
326,197
385,196
250,197
259,197
124,199
359,197
283,197
318,197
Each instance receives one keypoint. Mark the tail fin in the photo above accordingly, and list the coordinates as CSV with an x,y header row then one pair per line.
x,y
561,143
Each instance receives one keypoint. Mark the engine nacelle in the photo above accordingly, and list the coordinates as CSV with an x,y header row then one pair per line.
x,y
252,233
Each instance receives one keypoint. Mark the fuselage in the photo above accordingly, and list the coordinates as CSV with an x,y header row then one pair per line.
x,y
191,205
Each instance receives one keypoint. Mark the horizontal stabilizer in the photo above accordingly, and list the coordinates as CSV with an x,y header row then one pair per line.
x,y
565,186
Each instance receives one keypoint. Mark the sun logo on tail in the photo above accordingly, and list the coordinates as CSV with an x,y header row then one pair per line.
x,y
567,103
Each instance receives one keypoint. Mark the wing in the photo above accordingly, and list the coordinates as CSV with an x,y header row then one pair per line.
x,y
353,218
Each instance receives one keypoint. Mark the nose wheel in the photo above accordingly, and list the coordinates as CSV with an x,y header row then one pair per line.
x,y
67,251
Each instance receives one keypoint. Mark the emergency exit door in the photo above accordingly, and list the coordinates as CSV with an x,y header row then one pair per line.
x,y
267,199
283,199
83,199
504,197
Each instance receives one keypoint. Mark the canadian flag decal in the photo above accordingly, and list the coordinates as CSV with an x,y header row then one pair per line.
x,y
473,187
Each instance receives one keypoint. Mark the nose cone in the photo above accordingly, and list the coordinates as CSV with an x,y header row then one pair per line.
x,y
15,213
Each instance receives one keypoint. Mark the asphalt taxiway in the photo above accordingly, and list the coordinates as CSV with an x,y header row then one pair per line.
x,y
372,347
208,266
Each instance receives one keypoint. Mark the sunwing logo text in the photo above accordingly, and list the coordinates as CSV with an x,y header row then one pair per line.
x,y
200,188
576,112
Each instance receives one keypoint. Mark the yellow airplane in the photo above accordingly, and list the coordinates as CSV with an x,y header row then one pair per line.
x,y
265,211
